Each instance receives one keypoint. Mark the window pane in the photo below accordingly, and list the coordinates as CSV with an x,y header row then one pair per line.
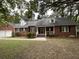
x,y
16,29
49,29
64,29
21,29
67,29
32,29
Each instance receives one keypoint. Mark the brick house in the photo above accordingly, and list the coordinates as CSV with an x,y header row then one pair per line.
x,y
48,27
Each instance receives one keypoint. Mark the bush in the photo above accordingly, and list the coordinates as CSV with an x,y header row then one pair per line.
x,y
13,34
30,35
20,34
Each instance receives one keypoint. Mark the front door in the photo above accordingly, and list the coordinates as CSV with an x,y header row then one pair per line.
x,y
41,30
49,31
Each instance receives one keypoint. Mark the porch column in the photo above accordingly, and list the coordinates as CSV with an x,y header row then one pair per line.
x,y
23,29
18,30
36,31
53,29
45,32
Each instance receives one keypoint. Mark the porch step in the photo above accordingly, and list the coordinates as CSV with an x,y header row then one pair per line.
x,y
40,35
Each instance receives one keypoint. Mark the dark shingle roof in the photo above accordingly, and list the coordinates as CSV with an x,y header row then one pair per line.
x,y
64,21
45,22
31,23
19,26
58,22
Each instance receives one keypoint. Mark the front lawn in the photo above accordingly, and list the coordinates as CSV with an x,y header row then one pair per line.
x,y
54,48
14,49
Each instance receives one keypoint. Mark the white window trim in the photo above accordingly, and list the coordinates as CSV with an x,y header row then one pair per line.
x,y
32,29
17,30
65,29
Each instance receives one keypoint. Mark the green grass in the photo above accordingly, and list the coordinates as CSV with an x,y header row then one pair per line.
x,y
53,48
11,48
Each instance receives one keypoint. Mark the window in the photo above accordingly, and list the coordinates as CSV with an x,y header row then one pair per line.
x,y
25,29
49,29
16,29
65,29
32,29
21,29
52,20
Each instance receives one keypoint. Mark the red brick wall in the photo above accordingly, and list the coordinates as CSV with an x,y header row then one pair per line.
x,y
6,27
66,34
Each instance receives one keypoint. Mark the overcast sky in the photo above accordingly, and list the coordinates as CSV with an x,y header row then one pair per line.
x,y
27,0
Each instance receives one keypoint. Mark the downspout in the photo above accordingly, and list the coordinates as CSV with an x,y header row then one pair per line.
x,y
76,30
45,32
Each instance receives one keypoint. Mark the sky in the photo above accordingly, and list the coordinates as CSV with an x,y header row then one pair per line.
x,y
49,12
27,0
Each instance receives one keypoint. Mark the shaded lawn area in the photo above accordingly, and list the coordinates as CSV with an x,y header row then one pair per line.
x,y
54,48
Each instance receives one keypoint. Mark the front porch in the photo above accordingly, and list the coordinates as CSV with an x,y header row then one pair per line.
x,y
44,31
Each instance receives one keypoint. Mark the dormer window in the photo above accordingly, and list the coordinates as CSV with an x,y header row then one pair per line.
x,y
52,21
22,22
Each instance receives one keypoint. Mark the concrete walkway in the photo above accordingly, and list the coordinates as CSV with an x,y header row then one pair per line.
x,y
22,38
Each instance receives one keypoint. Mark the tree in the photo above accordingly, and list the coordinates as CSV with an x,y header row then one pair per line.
x,y
7,6
65,8
32,7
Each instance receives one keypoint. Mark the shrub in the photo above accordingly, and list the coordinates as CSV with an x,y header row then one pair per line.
x,y
20,34
13,34
30,35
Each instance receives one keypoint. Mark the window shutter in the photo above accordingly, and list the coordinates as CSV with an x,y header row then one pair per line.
x,y
69,28
60,29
